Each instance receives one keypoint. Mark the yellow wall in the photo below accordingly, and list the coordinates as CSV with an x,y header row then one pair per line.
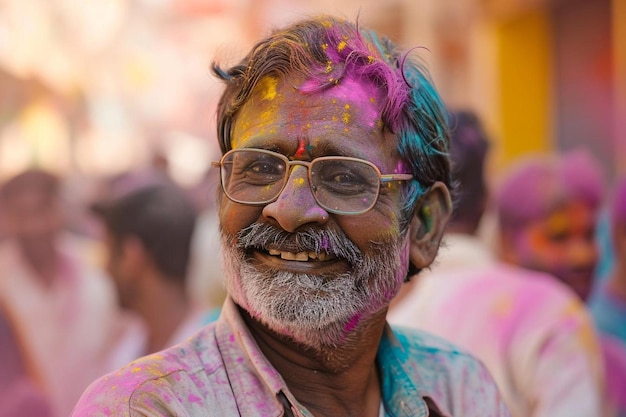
x,y
524,99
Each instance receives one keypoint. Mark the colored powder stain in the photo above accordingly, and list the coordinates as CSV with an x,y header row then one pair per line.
x,y
194,399
341,45
370,59
329,67
325,243
372,100
268,88
324,46
350,325
346,118
346,130
301,149
558,223
334,118
503,305
299,182
135,370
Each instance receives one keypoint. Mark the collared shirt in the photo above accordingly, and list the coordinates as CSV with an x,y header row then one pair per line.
x,y
220,371
533,333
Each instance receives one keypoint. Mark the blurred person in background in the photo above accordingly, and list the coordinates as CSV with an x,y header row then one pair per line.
x,y
20,393
547,210
57,304
532,333
148,224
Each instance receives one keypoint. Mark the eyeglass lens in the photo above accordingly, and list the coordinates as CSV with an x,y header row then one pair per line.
x,y
339,185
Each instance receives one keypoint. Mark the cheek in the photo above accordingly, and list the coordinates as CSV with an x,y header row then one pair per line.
x,y
545,252
234,217
375,227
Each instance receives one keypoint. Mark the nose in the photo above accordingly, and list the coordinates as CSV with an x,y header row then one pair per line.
x,y
296,205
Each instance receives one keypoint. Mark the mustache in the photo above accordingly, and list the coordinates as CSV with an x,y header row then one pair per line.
x,y
264,235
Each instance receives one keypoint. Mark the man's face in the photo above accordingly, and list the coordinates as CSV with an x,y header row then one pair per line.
x,y
563,245
34,219
304,272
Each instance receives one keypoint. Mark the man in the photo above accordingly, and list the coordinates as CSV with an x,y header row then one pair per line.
x,y
334,190
59,307
547,210
149,222
553,230
531,332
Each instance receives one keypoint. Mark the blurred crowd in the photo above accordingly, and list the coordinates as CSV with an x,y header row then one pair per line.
x,y
85,291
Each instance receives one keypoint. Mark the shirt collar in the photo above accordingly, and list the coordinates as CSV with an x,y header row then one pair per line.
x,y
403,389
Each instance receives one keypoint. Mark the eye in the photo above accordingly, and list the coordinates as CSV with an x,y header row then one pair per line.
x,y
344,177
266,168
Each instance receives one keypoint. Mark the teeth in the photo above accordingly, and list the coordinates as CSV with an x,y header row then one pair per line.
x,y
300,256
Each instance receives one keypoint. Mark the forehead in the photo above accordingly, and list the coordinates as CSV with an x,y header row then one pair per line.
x,y
292,107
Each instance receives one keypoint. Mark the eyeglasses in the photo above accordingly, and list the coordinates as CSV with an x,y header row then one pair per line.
x,y
340,185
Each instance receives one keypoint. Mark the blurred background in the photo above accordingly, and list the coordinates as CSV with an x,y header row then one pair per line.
x,y
91,88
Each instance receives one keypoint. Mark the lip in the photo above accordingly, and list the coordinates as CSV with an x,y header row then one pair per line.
x,y
313,266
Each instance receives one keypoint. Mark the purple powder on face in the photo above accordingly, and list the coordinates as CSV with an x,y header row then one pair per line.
x,y
352,323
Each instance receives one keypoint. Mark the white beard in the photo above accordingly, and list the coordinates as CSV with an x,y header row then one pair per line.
x,y
316,310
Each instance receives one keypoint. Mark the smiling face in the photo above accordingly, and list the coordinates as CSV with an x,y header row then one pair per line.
x,y
302,271
561,244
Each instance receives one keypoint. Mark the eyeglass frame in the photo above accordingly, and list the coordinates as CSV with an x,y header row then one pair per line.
x,y
383,178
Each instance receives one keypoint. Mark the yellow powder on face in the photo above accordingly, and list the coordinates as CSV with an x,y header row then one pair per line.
x,y
341,45
267,87
329,67
299,182
558,222
346,118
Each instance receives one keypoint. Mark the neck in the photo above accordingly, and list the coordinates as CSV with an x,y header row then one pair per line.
x,y
164,307
329,381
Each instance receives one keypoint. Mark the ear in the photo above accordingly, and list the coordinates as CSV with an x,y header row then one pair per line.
x,y
134,256
428,224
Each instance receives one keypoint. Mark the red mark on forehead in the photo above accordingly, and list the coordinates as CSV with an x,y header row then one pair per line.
x,y
301,149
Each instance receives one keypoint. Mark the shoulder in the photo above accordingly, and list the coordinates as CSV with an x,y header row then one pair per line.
x,y
454,379
420,346
158,380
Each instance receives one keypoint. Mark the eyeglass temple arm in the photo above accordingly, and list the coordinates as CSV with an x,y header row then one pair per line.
x,y
395,177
